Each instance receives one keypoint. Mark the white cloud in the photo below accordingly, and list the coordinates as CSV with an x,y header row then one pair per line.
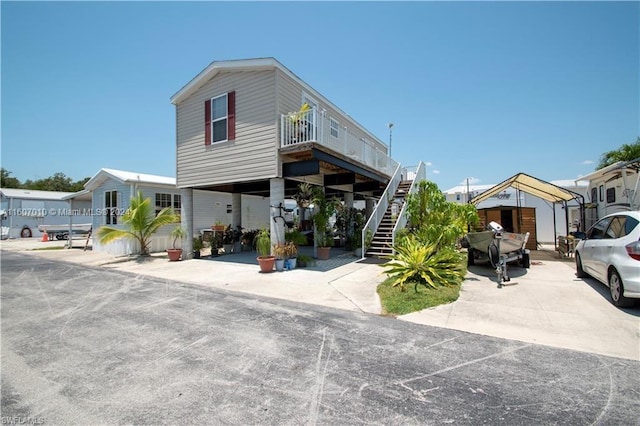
x,y
587,162
435,172
428,164
472,181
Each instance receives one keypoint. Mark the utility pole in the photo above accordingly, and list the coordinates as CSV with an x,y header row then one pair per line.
x,y
390,125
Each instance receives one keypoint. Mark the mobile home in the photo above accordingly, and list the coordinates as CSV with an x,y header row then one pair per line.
x,y
112,190
24,210
612,189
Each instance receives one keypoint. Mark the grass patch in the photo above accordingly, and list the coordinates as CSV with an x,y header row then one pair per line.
x,y
49,248
396,302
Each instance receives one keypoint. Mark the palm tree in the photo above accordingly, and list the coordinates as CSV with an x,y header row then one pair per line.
x,y
140,223
626,152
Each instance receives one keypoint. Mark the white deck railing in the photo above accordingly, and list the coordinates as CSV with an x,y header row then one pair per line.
x,y
311,126
381,207
416,174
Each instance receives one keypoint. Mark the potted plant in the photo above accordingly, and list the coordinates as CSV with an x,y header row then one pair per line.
x,y
280,252
324,210
303,260
247,239
263,245
175,253
303,199
198,245
294,239
291,253
236,235
218,227
356,240
228,238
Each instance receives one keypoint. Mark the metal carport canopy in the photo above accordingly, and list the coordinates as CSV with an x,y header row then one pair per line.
x,y
539,188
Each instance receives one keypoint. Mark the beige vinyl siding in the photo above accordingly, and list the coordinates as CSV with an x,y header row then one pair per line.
x,y
253,154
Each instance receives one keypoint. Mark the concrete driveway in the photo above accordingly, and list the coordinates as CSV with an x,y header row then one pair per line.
x,y
85,345
545,304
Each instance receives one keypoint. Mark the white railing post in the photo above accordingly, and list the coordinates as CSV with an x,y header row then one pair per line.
x,y
381,207
420,174
282,131
314,114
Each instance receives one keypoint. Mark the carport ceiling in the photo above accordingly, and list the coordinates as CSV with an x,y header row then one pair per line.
x,y
534,186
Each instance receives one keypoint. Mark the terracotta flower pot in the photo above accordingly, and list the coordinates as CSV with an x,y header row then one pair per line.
x,y
174,254
323,253
266,263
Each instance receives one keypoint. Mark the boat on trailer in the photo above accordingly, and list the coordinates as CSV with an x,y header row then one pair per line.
x,y
498,247
61,232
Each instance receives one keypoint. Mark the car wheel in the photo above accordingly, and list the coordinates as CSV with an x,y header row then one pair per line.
x,y
580,273
26,232
616,288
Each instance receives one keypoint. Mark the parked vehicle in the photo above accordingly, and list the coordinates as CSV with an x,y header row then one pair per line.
x,y
610,253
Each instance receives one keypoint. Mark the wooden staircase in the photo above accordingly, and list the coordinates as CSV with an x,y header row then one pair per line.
x,y
381,242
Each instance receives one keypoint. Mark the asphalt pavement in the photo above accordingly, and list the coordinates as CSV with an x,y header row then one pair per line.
x,y
85,345
545,304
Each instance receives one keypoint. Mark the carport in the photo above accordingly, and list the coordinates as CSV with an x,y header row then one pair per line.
x,y
82,195
541,189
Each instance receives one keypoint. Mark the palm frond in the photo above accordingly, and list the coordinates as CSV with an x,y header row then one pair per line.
x,y
107,234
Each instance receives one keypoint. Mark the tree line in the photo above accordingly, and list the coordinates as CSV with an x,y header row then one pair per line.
x,y
58,182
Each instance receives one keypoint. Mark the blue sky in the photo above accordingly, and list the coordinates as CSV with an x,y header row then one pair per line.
x,y
478,90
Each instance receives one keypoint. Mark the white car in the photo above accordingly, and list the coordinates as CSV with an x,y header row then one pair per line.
x,y
611,254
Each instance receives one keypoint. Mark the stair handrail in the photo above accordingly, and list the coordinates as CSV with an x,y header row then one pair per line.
x,y
420,174
381,207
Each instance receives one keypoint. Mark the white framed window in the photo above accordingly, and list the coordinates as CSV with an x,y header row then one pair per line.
x,y
334,127
111,207
168,200
219,119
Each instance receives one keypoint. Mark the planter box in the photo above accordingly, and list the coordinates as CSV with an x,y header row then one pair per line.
x,y
323,253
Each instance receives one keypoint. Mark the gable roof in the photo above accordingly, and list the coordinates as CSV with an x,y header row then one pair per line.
x,y
215,67
256,64
32,194
529,184
83,195
128,177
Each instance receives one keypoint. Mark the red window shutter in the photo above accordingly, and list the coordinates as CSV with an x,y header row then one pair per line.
x,y
207,122
231,116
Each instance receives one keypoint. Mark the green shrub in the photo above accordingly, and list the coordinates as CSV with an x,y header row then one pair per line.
x,y
424,263
434,219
